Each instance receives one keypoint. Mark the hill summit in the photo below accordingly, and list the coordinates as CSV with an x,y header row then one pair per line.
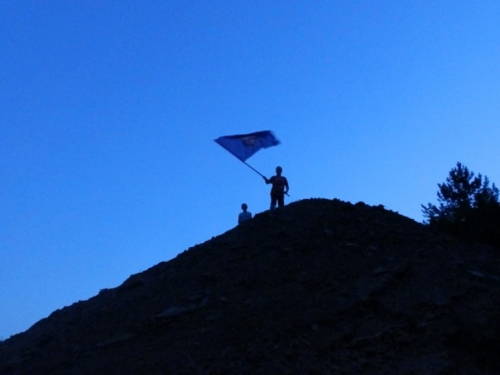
x,y
317,287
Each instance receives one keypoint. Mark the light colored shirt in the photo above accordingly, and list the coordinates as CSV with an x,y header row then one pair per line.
x,y
244,216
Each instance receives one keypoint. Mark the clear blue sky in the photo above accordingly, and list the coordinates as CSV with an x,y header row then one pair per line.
x,y
109,109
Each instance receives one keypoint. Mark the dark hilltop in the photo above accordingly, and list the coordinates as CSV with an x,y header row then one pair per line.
x,y
317,287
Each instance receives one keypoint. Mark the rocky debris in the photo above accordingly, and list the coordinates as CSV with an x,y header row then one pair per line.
x,y
318,287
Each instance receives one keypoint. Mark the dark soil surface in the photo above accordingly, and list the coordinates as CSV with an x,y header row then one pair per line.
x,y
317,287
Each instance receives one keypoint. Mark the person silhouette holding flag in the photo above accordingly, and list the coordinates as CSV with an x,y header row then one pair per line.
x,y
279,189
243,146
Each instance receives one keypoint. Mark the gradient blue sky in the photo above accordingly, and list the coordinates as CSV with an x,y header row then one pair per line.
x,y
109,109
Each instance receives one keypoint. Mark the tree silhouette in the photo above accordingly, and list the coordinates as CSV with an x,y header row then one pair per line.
x,y
468,207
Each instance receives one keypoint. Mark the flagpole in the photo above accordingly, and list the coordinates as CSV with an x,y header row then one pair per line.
x,y
255,170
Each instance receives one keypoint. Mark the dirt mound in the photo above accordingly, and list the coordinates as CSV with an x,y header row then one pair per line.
x,y
317,287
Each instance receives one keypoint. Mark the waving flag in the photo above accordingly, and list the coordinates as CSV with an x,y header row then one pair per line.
x,y
245,145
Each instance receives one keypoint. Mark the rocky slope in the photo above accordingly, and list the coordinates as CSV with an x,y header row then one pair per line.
x,y
317,287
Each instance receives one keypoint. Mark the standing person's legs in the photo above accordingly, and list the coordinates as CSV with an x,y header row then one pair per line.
x,y
274,199
281,200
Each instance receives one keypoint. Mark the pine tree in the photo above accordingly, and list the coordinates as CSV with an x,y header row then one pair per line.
x,y
468,207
